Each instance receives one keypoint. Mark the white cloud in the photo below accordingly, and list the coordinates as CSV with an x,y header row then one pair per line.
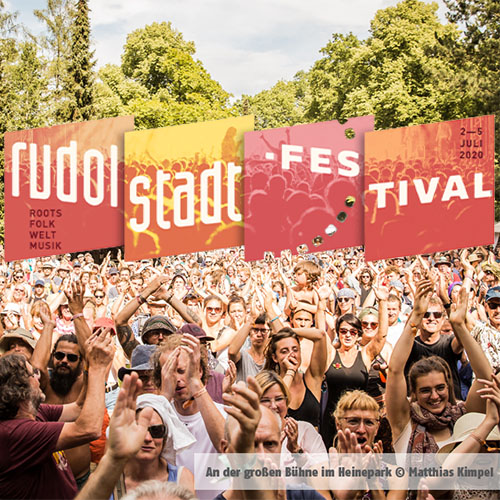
x,y
246,46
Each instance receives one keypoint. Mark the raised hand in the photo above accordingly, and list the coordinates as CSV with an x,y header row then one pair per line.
x,y
244,406
168,371
75,292
229,377
459,310
100,349
126,433
424,291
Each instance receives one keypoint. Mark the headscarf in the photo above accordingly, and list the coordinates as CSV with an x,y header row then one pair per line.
x,y
178,436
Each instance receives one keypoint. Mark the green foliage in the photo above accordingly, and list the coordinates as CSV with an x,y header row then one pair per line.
x,y
480,20
404,73
79,81
56,41
281,106
160,82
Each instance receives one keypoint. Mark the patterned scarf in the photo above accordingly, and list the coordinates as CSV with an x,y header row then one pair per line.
x,y
421,440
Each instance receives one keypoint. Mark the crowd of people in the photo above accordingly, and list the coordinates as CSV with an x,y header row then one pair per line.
x,y
114,374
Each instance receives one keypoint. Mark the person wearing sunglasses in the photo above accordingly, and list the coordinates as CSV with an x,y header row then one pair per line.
x,y
350,365
425,421
372,321
155,459
430,342
213,324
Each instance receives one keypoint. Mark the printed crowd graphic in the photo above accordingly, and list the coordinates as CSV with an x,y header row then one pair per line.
x,y
64,188
304,186
183,188
219,184
429,188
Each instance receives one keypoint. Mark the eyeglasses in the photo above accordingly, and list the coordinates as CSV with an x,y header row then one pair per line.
x,y
216,310
261,330
355,422
277,400
344,299
157,431
72,358
433,314
351,331
493,305
369,324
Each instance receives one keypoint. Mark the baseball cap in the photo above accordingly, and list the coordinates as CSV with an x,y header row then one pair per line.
x,y
196,331
141,360
492,293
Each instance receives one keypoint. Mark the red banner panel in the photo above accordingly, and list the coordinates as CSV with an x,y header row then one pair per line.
x,y
304,186
183,188
429,188
64,188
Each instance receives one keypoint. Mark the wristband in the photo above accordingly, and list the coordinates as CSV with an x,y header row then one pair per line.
x,y
140,299
447,306
290,372
200,393
274,319
75,316
477,438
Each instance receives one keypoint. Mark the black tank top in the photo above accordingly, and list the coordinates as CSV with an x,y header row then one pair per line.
x,y
309,410
339,380
376,381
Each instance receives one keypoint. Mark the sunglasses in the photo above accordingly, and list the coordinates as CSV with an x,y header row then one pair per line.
x,y
157,431
493,305
72,358
369,324
433,314
344,299
214,309
99,296
345,331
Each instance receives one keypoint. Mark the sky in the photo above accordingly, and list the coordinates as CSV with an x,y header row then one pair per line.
x,y
246,46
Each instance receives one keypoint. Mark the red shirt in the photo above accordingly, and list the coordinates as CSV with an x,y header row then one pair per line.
x,y
30,465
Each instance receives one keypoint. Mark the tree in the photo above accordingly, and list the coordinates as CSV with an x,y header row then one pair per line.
x,y
281,106
480,20
160,82
79,83
404,73
56,43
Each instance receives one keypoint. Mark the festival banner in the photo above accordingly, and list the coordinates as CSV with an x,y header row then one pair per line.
x,y
429,188
64,188
304,186
183,188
